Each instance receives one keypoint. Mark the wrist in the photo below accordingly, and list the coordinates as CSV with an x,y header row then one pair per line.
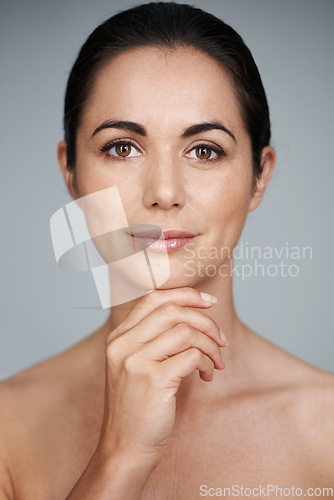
x,y
124,462
111,476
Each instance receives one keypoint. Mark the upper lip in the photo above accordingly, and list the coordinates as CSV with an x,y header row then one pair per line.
x,y
166,233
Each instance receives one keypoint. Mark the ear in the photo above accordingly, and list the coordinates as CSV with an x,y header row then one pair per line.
x,y
268,159
67,174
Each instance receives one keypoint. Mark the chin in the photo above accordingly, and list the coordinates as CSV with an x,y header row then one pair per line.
x,y
179,280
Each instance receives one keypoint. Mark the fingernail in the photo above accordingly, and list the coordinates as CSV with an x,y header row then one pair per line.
x,y
208,298
223,337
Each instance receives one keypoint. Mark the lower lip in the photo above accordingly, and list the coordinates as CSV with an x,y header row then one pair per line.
x,y
169,245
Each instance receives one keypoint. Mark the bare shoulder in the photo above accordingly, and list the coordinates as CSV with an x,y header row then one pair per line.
x,y
52,383
49,422
314,412
35,387
28,398
315,403
311,388
29,403
306,404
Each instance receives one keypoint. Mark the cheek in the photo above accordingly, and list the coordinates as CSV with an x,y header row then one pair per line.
x,y
90,178
229,211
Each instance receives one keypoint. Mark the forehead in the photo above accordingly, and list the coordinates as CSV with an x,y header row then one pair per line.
x,y
163,86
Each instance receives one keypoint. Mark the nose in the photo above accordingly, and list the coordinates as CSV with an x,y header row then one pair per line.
x,y
164,185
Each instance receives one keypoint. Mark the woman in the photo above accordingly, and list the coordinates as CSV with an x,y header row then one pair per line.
x,y
165,103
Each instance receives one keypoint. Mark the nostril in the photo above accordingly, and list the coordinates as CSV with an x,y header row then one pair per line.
x,y
158,204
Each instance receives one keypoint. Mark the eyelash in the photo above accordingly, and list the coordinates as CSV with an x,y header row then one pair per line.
x,y
108,146
216,149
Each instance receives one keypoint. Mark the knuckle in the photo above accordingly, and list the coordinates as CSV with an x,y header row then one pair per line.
x,y
169,309
185,330
195,354
113,348
114,354
139,371
129,364
149,298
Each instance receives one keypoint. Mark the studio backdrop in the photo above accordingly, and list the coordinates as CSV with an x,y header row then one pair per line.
x,y
283,264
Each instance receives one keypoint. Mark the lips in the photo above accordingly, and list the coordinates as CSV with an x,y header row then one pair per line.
x,y
165,234
162,240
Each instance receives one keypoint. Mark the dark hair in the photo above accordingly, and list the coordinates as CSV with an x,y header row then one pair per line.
x,y
168,25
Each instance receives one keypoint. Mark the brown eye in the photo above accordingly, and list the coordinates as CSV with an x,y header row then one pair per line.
x,y
203,153
206,153
123,149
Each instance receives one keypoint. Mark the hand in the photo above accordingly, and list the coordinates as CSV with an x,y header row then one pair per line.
x,y
159,343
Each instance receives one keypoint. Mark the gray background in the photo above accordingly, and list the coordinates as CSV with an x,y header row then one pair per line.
x,y
42,307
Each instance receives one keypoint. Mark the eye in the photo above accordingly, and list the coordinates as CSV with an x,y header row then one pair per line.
x,y
121,149
205,152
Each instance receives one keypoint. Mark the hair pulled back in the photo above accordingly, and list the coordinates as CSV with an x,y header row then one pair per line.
x,y
168,25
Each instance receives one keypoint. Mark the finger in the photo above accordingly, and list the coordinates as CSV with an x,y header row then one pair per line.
x,y
181,365
185,297
169,315
177,340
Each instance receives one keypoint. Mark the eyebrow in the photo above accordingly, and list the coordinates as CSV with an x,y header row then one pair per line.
x,y
123,125
139,129
204,127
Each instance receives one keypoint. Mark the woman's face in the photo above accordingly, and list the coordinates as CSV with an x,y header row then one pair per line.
x,y
169,169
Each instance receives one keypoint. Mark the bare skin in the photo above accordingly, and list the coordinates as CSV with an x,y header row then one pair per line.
x,y
154,396
276,429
